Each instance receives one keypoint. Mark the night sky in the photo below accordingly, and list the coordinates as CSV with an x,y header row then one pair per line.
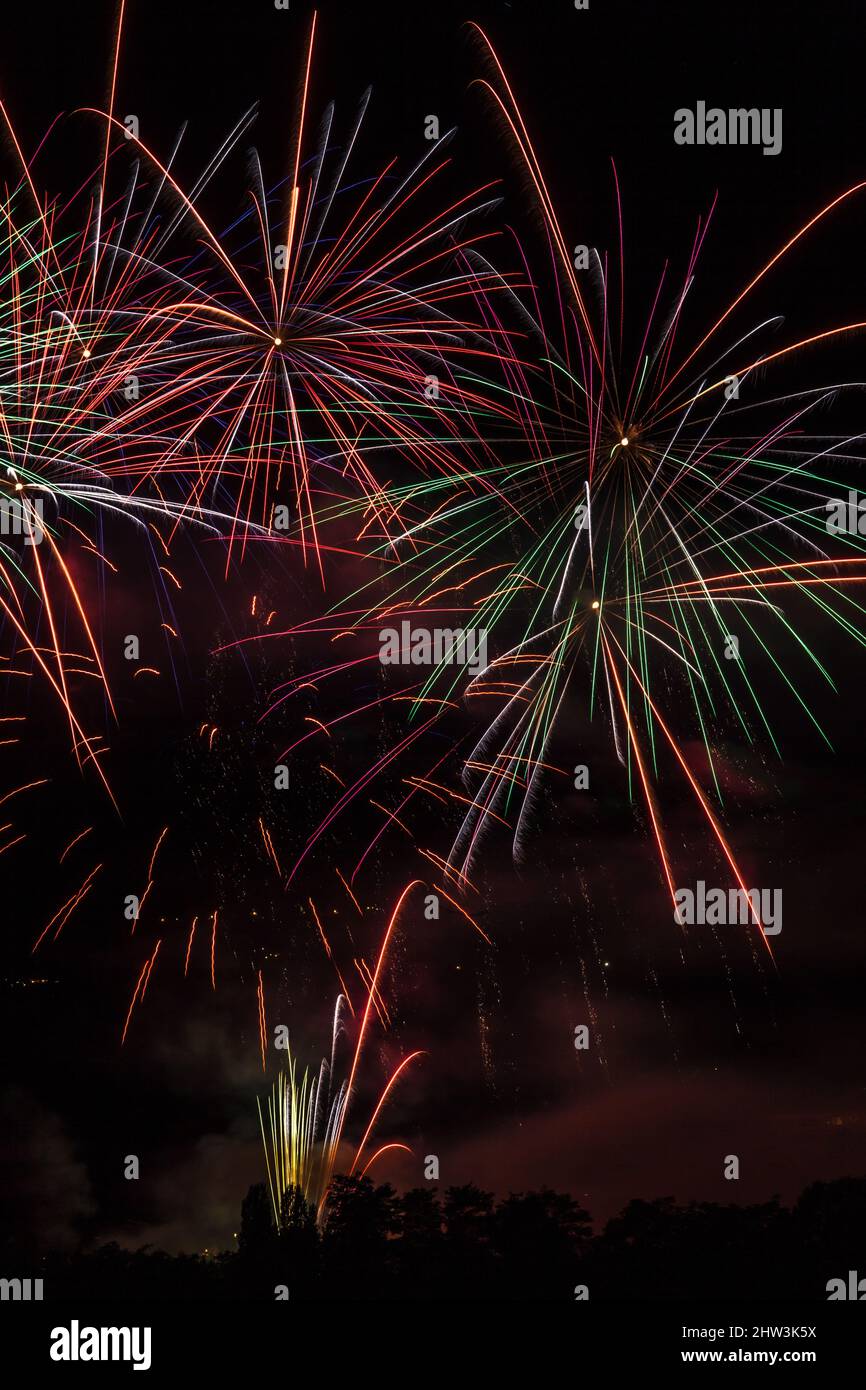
x,y
702,1046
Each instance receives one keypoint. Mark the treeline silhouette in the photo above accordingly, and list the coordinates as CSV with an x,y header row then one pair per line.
x,y
465,1244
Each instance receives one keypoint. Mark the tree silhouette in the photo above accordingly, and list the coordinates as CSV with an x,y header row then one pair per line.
x,y
829,1224
257,1234
421,1248
527,1246
359,1220
540,1238
468,1224
298,1243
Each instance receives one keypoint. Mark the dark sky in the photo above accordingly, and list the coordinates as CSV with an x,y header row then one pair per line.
x,y
701,1047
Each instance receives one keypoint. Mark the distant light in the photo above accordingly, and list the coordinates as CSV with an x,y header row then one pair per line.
x,y
86,352
624,441
278,342
595,603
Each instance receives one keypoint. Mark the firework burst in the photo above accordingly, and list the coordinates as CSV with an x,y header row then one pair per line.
x,y
663,507
334,332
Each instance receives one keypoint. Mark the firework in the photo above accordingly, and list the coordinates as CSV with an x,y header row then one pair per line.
x,y
343,339
306,1114
74,446
660,503
301,1135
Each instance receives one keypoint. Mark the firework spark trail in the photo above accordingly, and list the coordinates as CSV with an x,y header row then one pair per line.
x,y
140,988
189,945
63,913
263,1026
74,842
